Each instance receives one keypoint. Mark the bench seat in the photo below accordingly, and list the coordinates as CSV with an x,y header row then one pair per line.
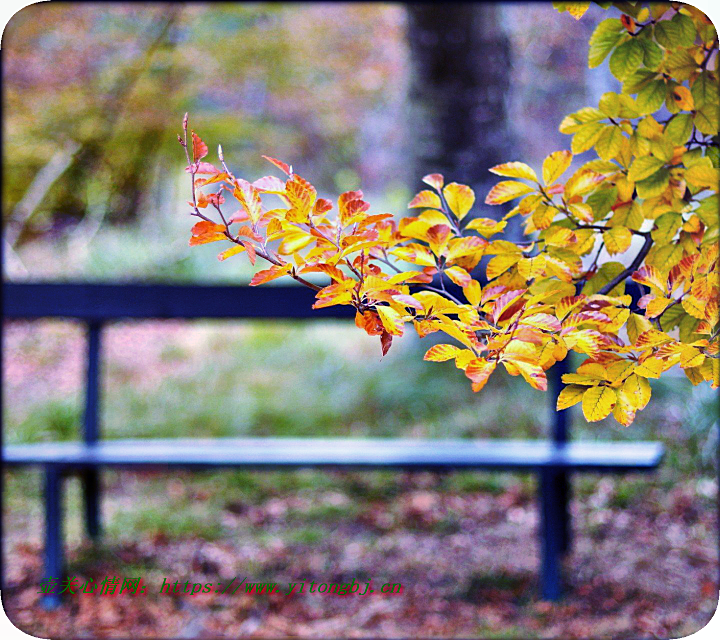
x,y
359,453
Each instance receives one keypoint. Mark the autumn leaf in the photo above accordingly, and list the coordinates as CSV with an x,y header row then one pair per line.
x,y
391,320
514,170
266,275
285,168
435,180
555,165
425,199
598,402
232,251
441,353
460,198
569,396
199,148
507,190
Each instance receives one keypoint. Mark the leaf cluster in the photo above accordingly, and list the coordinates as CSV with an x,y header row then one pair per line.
x,y
647,200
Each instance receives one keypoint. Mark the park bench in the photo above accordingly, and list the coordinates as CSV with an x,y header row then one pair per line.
x,y
552,459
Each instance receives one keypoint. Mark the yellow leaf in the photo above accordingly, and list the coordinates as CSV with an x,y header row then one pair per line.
x,y
577,9
555,165
651,367
656,306
695,307
507,190
441,352
598,402
683,98
472,292
515,170
617,239
638,390
500,264
578,378
460,198
702,175
231,252
391,320
569,396
691,357
582,211
425,199
624,409
530,268
459,276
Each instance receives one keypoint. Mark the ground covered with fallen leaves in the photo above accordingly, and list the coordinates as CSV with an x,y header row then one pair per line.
x,y
463,545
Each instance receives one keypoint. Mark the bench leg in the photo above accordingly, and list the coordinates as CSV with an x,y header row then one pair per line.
x,y
564,493
53,534
551,535
91,497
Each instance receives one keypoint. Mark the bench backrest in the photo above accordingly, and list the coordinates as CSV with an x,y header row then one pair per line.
x,y
96,304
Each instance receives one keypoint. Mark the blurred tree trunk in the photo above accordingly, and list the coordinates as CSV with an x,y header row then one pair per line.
x,y
460,76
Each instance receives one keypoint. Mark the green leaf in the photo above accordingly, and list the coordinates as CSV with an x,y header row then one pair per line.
x,y
668,34
636,81
586,136
626,59
609,143
604,274
704,90
644,167
706,119
651,97
708,210
678,130
601,201
605,37
652,53
685,28
630,216
687,326
671,318
680,64
666,227
654,185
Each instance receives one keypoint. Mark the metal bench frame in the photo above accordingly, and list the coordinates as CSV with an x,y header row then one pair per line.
x,y
552,460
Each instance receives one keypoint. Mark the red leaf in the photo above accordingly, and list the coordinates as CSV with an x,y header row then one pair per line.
x,y
200,149
250,249
286,168
269,184
202,167
385,342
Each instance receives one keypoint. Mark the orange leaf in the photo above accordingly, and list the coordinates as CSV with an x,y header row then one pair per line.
x,y
286,168
206,226
205,238
199,148
276,271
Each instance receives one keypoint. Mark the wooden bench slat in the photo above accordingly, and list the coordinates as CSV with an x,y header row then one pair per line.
x,y
376,453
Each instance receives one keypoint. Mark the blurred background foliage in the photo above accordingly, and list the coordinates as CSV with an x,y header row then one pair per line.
x,y
357,94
